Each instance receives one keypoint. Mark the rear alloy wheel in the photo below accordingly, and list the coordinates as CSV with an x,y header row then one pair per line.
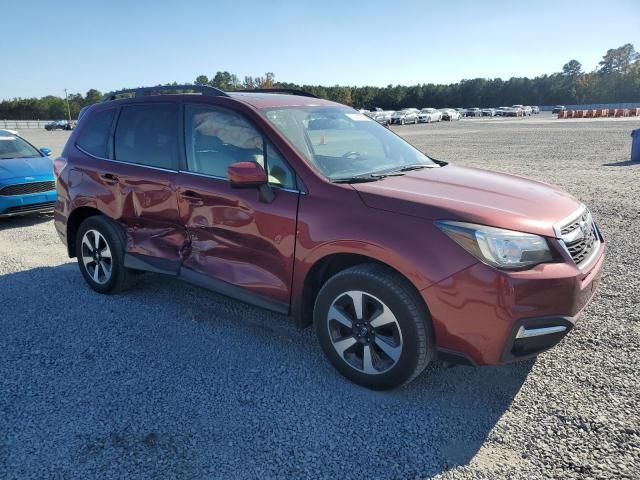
x,y
100,252
96,257
373,326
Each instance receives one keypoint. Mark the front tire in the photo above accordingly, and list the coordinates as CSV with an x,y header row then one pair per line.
x,y
373,327
100,253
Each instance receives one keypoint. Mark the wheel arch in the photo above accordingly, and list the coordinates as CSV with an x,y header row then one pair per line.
x,y
77,216
323,269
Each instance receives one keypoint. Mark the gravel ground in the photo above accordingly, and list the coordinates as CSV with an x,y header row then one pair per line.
x,y
171,381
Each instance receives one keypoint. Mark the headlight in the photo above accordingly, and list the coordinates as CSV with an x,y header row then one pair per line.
x,y
498,247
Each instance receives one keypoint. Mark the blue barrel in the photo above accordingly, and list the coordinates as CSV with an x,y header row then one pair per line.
x,y
635,145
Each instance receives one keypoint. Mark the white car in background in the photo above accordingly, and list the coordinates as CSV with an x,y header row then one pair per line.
x,y
428,115
381,116
450,114
526,110
404,116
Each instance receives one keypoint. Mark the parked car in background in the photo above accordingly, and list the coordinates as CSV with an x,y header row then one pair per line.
x,y
450,114
535,110
461,111
26,177
473,112
525,110
513,112
428,115
404,116
558,108
471,265
501,111
59,125
488,112
383,117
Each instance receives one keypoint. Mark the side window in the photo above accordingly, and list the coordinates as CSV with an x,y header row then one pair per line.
x,y
148,135
94,136
217,137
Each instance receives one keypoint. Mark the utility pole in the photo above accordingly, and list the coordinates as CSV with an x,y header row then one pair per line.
x,y
66,97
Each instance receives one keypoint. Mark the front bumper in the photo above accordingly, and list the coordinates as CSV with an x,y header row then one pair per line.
x,y
25,204
486,316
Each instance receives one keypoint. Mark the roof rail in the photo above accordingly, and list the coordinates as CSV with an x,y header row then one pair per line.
x,y
146,91
290,91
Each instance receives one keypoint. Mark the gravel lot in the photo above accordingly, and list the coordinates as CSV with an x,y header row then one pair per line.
x,y
171,381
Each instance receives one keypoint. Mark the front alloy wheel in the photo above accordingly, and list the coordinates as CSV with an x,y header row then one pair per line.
x,y
373,326
364,332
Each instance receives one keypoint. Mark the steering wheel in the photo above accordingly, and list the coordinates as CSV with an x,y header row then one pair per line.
x,y
352,154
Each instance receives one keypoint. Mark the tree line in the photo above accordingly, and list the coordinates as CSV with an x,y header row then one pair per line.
x,y
615,80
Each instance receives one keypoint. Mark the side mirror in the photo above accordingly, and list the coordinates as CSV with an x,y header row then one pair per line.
x,y
246,175
46,151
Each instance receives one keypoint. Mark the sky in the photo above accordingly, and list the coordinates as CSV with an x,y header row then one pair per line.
x,y
48,46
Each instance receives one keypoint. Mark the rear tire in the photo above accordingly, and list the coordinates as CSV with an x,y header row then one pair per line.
x,y
373,327
100,253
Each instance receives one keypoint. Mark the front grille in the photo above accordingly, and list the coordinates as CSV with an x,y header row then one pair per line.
x,y
580,236
33,208
27,188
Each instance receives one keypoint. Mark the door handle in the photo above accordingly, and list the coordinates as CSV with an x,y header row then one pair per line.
x,y
109,177
191,196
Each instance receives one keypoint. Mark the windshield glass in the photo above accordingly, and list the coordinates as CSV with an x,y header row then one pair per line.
x,y
15,147
343,143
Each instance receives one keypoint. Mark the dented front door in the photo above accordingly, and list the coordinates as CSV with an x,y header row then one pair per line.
x,y
236,238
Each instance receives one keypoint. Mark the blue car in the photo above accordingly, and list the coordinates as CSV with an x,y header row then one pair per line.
x,y
27,184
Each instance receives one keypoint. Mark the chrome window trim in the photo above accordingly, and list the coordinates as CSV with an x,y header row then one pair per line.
x,y
126,163
217,177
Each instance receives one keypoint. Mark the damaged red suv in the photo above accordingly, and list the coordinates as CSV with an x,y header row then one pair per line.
x,y
308,208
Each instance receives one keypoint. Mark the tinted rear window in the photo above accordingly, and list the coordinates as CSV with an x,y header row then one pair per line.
x,y
94,136
148,135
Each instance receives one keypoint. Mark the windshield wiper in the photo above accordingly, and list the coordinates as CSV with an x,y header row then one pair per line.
x,y
371,177
418,166
358,179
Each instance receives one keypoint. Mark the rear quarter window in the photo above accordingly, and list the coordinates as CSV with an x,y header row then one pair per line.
x,y
94,136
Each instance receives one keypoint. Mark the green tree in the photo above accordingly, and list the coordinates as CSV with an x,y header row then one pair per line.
x,y
573,68
618,60
202,80
225,81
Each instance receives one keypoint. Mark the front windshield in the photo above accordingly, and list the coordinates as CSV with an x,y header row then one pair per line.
x,y
343,143
15,147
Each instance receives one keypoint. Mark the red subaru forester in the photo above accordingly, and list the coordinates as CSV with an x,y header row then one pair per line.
x,y
309,208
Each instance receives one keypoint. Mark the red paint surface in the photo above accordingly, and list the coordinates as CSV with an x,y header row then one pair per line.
x,y
269,248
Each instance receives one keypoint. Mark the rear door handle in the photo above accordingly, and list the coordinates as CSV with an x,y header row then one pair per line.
x,y
191,196
109,177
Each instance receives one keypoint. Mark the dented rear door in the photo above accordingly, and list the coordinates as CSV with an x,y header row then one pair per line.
x,y
142,177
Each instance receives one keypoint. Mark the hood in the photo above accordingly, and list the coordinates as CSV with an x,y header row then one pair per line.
x,y
472,195
19,168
